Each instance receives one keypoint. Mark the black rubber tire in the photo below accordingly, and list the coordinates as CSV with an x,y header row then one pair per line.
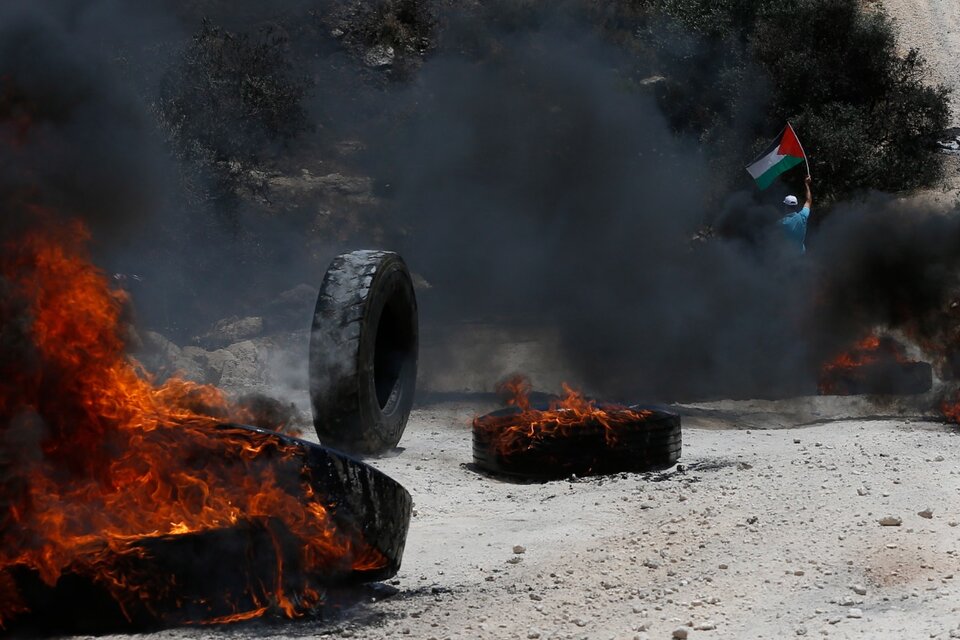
x,y
212,573
363,352
882,378
653,443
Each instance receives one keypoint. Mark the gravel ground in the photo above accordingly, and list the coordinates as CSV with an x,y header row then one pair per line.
x,y
764,534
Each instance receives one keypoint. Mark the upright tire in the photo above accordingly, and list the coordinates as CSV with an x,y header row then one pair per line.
x,y
363,352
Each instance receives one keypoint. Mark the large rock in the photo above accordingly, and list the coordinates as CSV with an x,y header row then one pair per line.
x,y
244,366
229,331
275,364
380,55
358,189
164,359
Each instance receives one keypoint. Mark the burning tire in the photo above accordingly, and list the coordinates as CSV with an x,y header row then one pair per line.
x,y
509,442
876,365
363,352
254,566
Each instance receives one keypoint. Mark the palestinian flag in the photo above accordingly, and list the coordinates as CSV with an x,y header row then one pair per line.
x,y
785,153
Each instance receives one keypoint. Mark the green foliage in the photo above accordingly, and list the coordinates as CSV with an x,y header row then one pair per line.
x,y
399,23
229,99
865,113
738,70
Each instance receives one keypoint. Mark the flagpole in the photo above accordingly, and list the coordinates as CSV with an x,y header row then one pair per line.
x,y
797,138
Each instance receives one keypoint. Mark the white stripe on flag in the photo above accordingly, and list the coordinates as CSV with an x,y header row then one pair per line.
x,y
761,166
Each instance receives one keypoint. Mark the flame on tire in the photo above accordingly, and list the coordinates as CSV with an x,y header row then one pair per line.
x,y
95,457
522,430
851,363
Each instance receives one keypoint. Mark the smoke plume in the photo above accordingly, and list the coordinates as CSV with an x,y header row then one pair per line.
x,y
537,187
537,184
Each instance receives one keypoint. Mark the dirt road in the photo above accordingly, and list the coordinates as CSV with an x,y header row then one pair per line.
x,y
767,534
933,27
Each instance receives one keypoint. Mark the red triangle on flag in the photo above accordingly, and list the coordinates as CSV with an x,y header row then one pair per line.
x,y
789,144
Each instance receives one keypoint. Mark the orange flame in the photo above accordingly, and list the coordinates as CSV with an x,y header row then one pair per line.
x,y
950,408
106,458
520,431
867,351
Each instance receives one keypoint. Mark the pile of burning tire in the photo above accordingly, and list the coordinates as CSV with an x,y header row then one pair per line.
x,y
189,517
155,510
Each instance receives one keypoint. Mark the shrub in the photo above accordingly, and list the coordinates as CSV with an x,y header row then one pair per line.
x,y
865,113
736,71
230,98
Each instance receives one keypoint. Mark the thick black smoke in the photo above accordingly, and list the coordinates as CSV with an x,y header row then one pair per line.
x,y
77,140
537,186
892,264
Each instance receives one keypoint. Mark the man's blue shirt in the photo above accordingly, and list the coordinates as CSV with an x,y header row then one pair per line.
x,y
795,227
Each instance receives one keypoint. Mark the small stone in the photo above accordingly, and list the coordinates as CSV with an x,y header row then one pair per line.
x,y
518,549
890,521
861,491
859,589
926,513
706,626
533,634
796,441
801,631
651,563
580,622
798,572
724,566
854,613
680,633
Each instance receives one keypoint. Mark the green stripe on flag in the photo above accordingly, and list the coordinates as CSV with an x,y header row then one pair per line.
x,y
765,179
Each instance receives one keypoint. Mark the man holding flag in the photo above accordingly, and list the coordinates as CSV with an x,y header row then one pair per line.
x,y
794,223
784,154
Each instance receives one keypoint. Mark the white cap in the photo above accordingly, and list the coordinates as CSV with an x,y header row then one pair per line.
x,y
790,201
